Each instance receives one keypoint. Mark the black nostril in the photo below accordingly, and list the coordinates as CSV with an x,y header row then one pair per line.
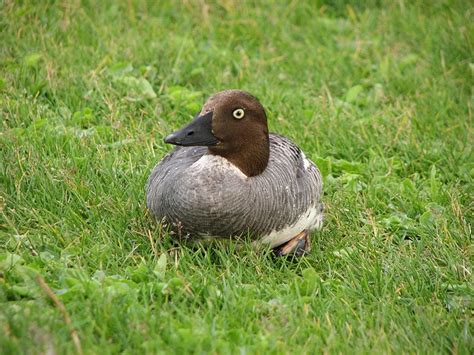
x,y
190,133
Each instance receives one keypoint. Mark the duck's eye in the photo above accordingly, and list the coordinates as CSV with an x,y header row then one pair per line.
x,y
238,113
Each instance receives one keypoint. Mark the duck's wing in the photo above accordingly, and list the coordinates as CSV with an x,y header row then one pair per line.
x,y
288,193
298,170
175,162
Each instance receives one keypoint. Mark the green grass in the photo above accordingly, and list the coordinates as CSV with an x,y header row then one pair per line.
x,y
380,96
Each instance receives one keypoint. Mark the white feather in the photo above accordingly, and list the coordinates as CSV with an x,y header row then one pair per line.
x,y
306,162
311,219
216,162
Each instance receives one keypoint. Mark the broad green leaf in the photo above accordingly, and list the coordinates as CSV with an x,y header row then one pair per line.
x,y
138,88
32,60
120,69
353,93
160,267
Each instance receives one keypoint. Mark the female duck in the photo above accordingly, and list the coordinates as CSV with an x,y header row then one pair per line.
x,y
229,177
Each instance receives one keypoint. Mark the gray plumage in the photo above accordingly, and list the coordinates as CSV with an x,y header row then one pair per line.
x,y
207,195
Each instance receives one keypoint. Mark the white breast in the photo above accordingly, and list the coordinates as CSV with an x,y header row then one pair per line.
x,y
216,162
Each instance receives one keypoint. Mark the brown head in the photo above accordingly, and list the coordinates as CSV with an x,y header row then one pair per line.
x,y
232,124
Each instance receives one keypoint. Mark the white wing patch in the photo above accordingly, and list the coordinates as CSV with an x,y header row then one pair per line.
x,y
306,162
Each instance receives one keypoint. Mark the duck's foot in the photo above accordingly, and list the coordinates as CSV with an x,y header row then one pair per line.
x,y
298,245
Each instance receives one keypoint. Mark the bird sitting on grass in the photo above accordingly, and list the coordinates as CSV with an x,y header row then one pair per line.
x,y
228,177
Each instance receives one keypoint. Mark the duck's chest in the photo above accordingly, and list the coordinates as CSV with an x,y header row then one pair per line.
x,y
212,195
215,168
212,182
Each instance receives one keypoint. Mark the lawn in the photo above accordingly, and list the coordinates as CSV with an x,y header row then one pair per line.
x,y
378,95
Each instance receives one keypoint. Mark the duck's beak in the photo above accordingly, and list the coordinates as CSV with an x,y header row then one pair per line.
x,y
198,132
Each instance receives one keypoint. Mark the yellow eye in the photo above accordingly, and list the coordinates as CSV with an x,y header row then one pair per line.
x,y
238,113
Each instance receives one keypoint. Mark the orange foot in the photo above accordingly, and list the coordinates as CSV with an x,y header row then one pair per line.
x,y
298,245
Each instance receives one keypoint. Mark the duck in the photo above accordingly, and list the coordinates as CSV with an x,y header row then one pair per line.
x,y
229,177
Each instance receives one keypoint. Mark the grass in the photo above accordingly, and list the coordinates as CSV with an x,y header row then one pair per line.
x,y
379,96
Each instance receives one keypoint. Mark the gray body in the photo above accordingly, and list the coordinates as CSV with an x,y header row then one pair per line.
x,y
205,194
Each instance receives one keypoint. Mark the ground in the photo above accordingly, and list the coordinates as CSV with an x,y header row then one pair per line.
x,y
378,95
